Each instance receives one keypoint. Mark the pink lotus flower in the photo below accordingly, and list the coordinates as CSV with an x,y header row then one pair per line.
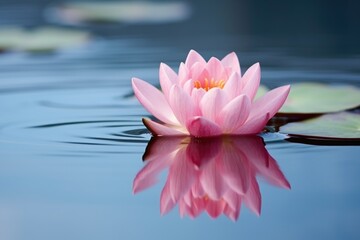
x,y
215,175
208,99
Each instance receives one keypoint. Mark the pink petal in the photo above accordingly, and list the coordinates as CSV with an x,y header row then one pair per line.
x,y
166,202
271,102
202,127
197,206
187,198
233,85
158,129
183,74
197,190
252,199
235,169
167,78
196,95
263,163
231,60
272,173
181,175
192,58
203,151
214,208
231,213
233,200
182,104
140,185
253,125
198,71
251,80
253,149
212,103
158,148
188,87
215,69
234,114
147,176
154,101
157,156
211,180
185,209
193,210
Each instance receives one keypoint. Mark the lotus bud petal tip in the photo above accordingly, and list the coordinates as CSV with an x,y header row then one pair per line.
x,y
195,84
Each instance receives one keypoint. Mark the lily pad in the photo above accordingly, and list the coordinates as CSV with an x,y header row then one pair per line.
x,y
40,40
122,11
316,98
337,126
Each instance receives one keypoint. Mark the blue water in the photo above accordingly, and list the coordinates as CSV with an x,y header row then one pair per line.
x,y
72,140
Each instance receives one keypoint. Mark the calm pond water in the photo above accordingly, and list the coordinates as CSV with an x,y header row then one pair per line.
x,y
72,140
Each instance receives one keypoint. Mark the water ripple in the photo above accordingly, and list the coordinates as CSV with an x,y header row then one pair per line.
x,y
79,122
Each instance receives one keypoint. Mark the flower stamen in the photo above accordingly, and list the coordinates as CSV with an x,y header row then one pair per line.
x,y
207,84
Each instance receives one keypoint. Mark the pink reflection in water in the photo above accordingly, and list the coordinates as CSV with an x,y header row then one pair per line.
x,y
215,175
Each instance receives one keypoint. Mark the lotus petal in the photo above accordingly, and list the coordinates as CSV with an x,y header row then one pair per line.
x,y
158,129
203,127
209,98
154,101
253,125
212,104
271,102
234,114
233,85
168,78
251,80
231,60
192,58
181,104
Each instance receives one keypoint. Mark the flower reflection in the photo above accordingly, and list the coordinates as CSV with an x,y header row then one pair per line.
x,y
215,175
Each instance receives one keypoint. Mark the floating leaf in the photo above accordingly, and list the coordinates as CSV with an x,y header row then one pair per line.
x,y
344,125
316,98
129,12
8,37
41,39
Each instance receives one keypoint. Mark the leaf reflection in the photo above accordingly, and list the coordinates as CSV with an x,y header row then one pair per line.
x,y
215,175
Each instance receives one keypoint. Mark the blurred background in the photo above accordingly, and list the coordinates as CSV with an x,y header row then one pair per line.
x,y
333,24
308,37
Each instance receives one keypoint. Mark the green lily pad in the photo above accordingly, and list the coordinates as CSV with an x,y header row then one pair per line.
x,y
40,40
344,125
316,98
123,11
8,37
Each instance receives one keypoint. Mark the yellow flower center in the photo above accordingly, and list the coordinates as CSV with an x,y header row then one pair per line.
x,y
209,84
